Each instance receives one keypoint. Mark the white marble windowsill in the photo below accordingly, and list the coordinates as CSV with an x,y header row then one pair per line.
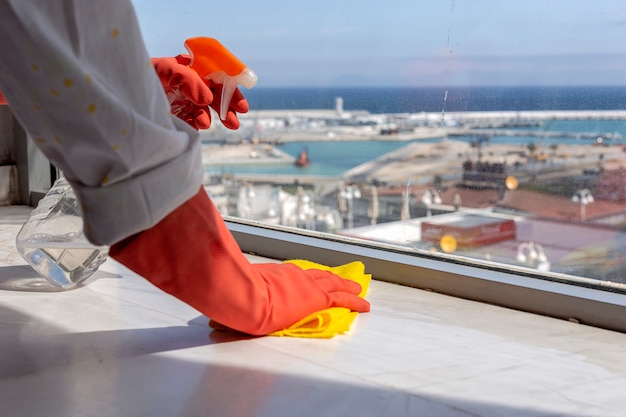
x,y
120,347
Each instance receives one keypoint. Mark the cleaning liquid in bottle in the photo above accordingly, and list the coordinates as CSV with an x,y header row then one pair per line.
x,y
53,243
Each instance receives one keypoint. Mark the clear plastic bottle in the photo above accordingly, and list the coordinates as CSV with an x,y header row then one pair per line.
x,y
53,243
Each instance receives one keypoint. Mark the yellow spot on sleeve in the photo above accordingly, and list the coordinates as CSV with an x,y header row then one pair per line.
x,y
68,82
124,132
88,78
35,67
54,92
116,147
105,180
91,108
40,140
57,140
36,106
115,33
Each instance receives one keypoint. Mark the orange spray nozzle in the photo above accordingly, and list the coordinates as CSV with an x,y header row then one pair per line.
x,y
212,60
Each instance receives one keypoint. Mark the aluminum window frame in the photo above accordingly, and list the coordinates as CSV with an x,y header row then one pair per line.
x,y
586,301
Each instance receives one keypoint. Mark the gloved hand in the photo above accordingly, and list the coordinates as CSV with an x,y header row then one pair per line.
x,y
3,101
193,95
192,255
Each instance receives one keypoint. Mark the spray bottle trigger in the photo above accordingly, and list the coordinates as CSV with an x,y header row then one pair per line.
x,y
228,89
247,78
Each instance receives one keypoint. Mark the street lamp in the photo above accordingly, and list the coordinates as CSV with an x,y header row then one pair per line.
x,y
583,197
373,208
429,198
305,208
349,193
532,254
245,200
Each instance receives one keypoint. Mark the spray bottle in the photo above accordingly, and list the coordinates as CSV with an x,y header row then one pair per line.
x,y
211,60
53,243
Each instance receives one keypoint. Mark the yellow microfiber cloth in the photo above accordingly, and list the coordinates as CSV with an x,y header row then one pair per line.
x,y
331,321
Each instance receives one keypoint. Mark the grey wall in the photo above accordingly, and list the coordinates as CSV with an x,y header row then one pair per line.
x,y
25,172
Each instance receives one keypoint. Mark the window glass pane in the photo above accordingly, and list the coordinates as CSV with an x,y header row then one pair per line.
x,y
490,130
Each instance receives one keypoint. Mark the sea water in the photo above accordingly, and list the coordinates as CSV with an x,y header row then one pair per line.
x,y
431,99
329,158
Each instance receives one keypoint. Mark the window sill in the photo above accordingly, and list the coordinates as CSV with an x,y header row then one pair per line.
x,y
570,298
415,353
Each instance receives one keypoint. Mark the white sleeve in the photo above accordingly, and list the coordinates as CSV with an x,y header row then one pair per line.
x,y
78,77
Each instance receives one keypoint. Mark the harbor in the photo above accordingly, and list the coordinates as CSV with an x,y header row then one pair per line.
x,y
446,139
338,124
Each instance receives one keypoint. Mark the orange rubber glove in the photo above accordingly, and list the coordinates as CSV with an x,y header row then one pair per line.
x,y
193,95
192,255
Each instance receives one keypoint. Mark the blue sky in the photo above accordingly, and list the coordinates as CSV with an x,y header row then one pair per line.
x,y
404,42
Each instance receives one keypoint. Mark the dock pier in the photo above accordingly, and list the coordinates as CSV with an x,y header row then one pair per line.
x,y
534,134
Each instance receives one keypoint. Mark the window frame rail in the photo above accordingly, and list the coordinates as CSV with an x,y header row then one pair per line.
x,y
586,301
